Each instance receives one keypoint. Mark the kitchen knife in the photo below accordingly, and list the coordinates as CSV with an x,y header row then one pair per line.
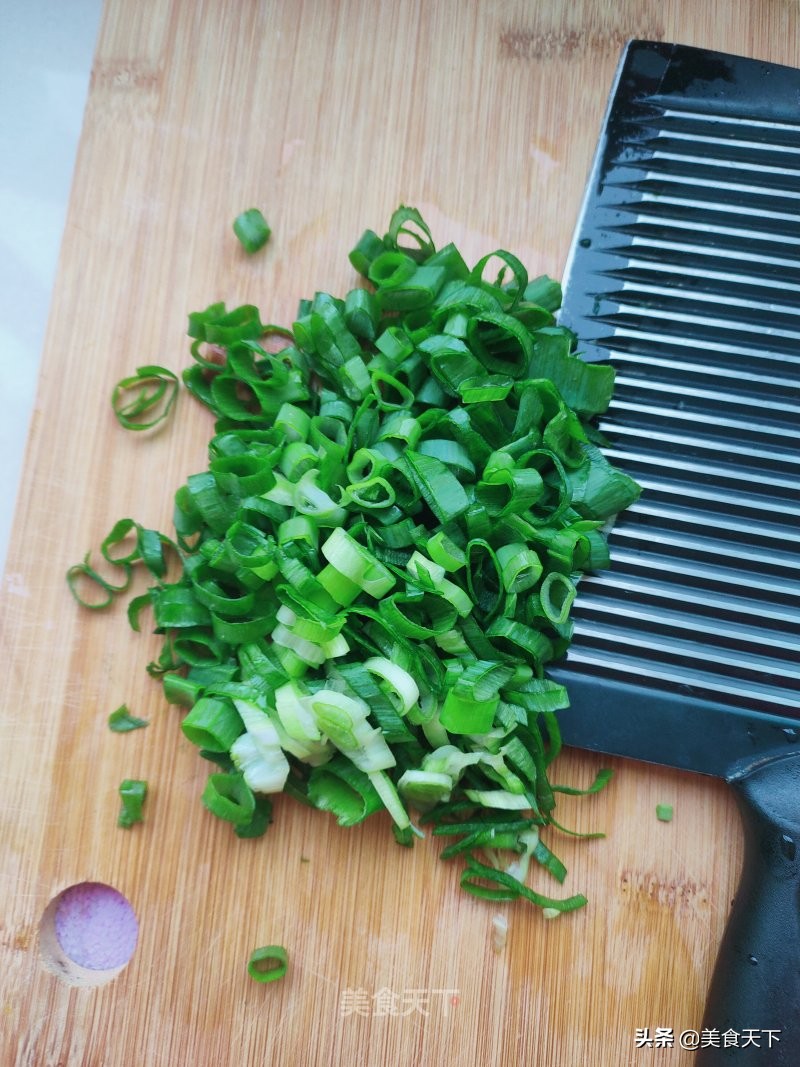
x,y
684,274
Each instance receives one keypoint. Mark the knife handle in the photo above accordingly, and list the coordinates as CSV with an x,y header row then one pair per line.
x,y
755,987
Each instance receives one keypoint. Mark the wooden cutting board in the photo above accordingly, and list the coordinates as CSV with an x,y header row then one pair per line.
x,y
327,115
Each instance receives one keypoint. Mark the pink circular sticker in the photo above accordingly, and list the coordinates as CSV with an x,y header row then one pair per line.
x,y
96,926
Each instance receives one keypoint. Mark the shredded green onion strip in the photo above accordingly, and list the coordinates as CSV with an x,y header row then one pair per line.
x,y
145,399
380,561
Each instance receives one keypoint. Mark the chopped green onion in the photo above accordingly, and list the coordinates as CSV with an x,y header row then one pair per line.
x,y
586,387
269,963
80,574
368,248
132,793
602,779
145,399
229,797
386,790
398,683
344,790
510,888
408,222
379,562
252,230
557,594
257,753
213,724
464,714
120,532
121,721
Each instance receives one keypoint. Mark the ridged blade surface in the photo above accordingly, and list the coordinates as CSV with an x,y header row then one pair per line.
x,y
685,275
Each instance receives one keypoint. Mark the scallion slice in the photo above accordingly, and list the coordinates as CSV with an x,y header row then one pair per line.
x,y
132,793
252,230
268,964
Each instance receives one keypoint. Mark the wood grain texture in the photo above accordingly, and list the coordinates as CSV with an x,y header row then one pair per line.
x,y
485,115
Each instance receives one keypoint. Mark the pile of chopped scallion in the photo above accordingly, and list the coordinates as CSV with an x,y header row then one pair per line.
x,y
380,560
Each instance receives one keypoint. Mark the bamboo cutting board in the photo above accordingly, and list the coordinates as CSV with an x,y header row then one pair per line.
x,y
327,115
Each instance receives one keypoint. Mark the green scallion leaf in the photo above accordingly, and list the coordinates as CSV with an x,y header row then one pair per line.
x,y
121,721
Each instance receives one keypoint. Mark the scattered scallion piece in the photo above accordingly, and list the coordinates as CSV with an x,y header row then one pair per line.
x,y
252,230
664,812
121,721
269,963
84,576
145,399
132,793
380,560
499,932
499,885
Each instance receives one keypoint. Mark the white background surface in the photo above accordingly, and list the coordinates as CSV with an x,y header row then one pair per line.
x,y
46,50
